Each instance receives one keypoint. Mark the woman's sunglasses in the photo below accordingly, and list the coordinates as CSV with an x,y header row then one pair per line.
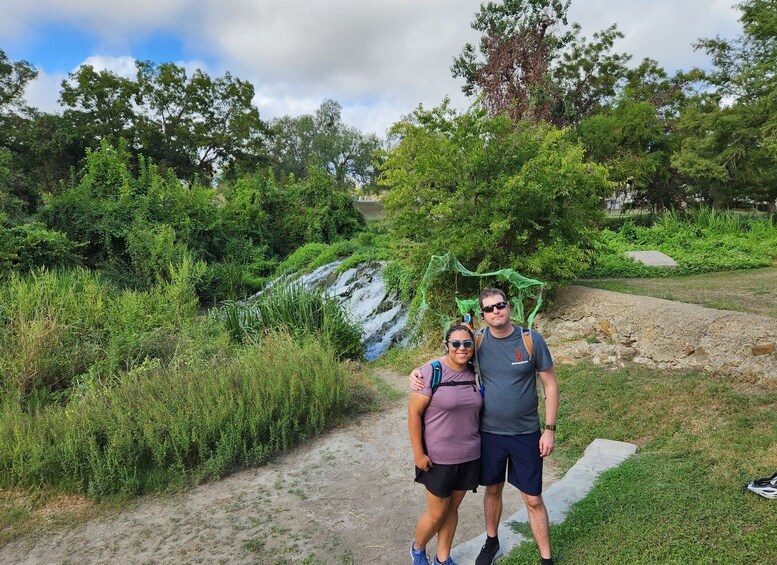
x,y
498,306
466,344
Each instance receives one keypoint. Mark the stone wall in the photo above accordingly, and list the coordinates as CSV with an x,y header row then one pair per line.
x,y
611,328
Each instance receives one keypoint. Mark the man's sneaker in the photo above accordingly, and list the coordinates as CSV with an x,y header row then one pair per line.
x,y
448,561
419,555
488,552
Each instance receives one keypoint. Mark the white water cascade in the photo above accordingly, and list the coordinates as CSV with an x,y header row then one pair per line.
x,y
362,293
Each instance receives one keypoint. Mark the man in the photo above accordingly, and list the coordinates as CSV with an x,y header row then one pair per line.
x,y
512,443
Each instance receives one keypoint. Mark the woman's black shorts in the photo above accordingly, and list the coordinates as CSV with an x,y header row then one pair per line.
x,y
442,480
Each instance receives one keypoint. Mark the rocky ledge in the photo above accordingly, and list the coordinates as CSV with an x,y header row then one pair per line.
x,y
611,328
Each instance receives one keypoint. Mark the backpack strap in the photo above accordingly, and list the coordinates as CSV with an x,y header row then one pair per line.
x,y
478,342
473,384
528,343
434,384
436,375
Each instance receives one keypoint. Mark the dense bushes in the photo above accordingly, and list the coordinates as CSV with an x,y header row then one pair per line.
x,y
24,247
495,194
703,240
127,220
61,328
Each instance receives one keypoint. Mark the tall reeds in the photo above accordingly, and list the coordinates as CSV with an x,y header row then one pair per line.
x,y
300,311
160,427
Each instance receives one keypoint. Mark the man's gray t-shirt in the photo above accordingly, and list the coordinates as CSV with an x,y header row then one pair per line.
x,y
510,402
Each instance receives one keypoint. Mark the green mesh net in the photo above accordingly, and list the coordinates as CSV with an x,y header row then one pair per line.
x,y
521,288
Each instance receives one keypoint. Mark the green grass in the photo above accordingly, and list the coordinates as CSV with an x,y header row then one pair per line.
x,y
679,499
752,290
161,427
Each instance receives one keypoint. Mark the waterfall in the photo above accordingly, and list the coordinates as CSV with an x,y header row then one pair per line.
x,y
362,292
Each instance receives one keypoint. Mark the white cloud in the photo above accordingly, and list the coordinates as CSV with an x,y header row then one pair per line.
x,y
123,66
43,92
113,21
661,30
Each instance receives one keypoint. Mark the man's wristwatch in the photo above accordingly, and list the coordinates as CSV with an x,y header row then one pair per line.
x,y
551,427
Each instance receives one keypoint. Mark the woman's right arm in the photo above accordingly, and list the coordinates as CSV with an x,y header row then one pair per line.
x,y
415,411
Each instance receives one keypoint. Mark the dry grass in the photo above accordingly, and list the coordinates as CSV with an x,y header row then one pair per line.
x,y
753,291
36,512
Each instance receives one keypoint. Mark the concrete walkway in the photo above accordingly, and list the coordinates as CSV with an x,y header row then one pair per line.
x,y
599,456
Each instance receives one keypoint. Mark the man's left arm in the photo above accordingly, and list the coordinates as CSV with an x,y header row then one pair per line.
x,y
550,384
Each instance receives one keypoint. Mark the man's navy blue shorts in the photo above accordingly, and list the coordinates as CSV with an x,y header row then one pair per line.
x,y
524,471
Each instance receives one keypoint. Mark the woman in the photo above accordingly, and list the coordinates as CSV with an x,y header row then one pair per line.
x,y
446,448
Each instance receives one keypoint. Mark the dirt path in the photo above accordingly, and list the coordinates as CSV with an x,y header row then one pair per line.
x,y
345,497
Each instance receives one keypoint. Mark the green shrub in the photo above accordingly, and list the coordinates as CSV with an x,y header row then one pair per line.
x,y
493,193
149,324
399,277
29,246
301,258
57,327
229,281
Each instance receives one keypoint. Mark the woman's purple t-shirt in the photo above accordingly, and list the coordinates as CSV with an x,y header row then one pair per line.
x,y
452,417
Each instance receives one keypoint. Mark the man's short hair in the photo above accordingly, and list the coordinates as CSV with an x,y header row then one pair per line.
x,y
486,292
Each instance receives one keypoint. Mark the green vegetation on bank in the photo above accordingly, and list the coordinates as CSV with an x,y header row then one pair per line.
x,y
702,240
108,391
130,226
294,309
680,498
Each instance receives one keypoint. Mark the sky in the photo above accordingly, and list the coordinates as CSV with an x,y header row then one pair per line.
x,y
379,59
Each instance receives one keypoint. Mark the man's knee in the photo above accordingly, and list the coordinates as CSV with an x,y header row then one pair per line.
x,y
533,502
495,491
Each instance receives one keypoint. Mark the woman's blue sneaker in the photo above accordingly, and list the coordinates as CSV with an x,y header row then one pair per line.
x,y
448,561
419,555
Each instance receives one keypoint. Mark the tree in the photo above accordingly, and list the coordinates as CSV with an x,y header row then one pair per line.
x,y
533,65
14,77
17,195
100,105
197,124
494,193
729,146
193,125
324,142
635,144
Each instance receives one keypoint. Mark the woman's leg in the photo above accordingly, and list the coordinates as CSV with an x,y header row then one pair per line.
x,y
430,521
448,527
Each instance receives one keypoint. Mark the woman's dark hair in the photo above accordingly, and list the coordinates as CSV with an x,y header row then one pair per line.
x,y
456,328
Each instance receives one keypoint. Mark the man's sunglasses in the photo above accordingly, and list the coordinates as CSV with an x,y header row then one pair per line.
x,y
466,344
498,306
